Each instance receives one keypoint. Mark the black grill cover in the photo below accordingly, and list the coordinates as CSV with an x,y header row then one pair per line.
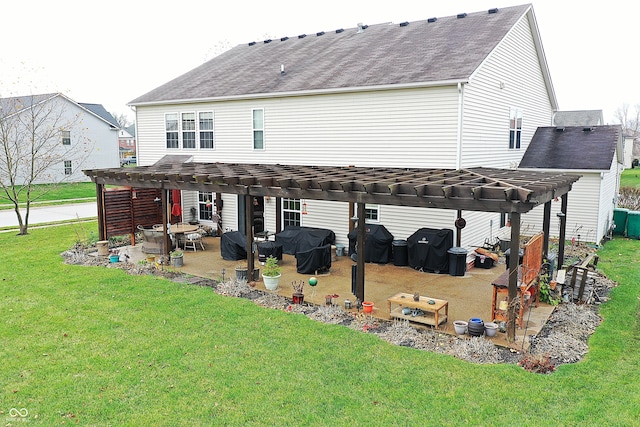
x,y
428,249
233,246
314,260
269,248
377,244
296,239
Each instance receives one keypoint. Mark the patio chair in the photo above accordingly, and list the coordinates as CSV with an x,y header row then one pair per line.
x,y
192,240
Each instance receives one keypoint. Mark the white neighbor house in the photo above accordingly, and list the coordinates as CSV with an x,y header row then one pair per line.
x,y
79,135
452,92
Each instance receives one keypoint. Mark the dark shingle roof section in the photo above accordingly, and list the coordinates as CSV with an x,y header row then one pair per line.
x,y
572,148
449,49
101,112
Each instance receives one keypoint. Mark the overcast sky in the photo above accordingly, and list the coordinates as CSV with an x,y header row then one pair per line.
x,y
112,52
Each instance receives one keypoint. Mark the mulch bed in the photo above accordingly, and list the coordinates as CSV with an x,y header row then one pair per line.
x,y
562,340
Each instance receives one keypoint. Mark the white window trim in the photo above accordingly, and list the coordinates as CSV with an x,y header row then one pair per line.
x,y
180,131
283,210
517,112
253,130
183,131
372,207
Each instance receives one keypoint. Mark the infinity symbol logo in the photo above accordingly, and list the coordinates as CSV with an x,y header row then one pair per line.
x,y
13,412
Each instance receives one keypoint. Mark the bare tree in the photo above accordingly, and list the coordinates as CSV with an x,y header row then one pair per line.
x,y
35,146
629,118
122,119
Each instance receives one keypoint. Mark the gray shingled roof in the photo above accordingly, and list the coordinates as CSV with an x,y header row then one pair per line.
x,y
578,118
100,111
572,148
449,49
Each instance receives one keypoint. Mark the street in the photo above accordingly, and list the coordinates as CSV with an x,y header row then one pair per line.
x,y
43,214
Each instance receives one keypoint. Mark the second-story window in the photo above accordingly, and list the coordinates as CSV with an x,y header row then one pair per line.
x,y
206,129
515,128
171,128
188,130
258,129
66,137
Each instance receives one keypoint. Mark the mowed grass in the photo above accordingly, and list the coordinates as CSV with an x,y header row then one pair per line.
x,y
47,193
630,178
95,346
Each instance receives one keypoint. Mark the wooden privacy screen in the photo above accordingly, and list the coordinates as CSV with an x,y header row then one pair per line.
x,y
532,258
125,208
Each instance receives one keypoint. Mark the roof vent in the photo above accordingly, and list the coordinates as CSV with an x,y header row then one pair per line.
x,y
252,43
494,10
267,41
282,39
404,24
560,129
461,15
339,30
432,20
589,129
321,33
362,27
301,36
282,72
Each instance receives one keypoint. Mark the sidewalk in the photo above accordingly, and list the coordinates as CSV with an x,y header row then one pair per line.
x,y
55,213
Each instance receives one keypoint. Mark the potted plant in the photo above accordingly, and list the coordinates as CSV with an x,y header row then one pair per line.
x,y
271,273
241,272
298,296
177,258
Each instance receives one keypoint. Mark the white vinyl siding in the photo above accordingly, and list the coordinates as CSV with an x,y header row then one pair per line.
x,y
399,128
501,83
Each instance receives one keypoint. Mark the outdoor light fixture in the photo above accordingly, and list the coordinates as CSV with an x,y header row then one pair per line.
x,y
134,194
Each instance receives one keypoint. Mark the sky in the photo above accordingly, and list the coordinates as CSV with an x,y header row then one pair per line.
x,y
110,53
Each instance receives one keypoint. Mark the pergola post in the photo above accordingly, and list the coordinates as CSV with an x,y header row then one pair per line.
x,y
514,261
563,230
546,226
102,225
248,222
360,252
165,223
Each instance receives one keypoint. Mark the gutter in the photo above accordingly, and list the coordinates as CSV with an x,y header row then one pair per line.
x,y
459,136
304,93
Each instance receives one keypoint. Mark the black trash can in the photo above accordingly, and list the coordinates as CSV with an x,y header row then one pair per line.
x,y
507,254
457,261
400,253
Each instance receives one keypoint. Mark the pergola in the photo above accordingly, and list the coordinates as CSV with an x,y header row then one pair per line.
x,y
474,189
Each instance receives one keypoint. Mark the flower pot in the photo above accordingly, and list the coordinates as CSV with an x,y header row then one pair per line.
x,y
490,329
460,327
177,261
298,298
367,306
271,282
475,327
241,274
114,258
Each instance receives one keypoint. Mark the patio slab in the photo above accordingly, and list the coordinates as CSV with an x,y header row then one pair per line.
x,y
468,296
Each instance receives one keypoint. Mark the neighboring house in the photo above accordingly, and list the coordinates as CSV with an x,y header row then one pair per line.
x,y
74,136
127,145
578,118
596,153
453,92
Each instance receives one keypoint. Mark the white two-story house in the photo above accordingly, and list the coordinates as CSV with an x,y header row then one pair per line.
x,y
449,92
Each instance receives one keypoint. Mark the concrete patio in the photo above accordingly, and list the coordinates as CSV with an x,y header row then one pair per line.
x,y
468,296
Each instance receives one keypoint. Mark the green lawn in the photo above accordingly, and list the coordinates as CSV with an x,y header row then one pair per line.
x,y
46,193
630,178
95,346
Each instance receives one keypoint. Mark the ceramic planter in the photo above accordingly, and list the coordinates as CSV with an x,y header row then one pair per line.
x,y
367,306
490,329
298,298
460,327
271,282
475,327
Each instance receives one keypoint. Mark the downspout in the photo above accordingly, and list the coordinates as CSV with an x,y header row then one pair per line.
x,y
459,136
